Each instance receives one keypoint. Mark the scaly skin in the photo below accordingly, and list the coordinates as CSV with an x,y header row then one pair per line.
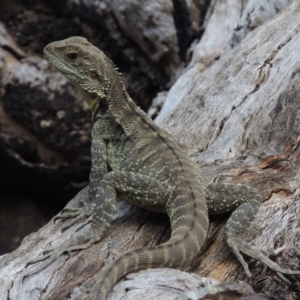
x,y
148,168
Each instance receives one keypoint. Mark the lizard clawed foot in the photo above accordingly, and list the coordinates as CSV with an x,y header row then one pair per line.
x,y
76,213
238,245
47,257
77,243
51,254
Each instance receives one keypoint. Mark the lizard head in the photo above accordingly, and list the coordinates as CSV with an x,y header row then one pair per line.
x,y
84,65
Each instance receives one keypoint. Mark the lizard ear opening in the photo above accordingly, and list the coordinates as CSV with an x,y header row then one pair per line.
x,y
93,75
72,55
93,96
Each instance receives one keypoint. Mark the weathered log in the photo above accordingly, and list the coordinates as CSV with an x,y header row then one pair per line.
x,y
240,123
226,24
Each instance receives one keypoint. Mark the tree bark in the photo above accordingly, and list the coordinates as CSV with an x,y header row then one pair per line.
x,y
226,24
239,121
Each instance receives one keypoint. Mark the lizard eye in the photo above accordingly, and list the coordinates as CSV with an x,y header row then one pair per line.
x,y
72,55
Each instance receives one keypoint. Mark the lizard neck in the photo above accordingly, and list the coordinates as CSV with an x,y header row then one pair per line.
x,y
122,109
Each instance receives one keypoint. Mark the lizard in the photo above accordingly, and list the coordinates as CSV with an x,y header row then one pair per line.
x,y
134,158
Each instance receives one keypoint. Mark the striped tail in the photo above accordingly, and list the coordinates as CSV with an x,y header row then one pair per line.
x,y
189,222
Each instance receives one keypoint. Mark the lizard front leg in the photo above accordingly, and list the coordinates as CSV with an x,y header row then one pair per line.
x,y
245,201
99,168
141,189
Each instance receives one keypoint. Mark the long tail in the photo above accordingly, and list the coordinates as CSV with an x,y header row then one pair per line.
x,y
189,223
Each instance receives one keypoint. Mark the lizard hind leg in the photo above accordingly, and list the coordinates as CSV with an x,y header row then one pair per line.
x,y
245,202
189,222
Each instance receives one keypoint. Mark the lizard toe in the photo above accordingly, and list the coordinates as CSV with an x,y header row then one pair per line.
x,y
46,259
238,245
